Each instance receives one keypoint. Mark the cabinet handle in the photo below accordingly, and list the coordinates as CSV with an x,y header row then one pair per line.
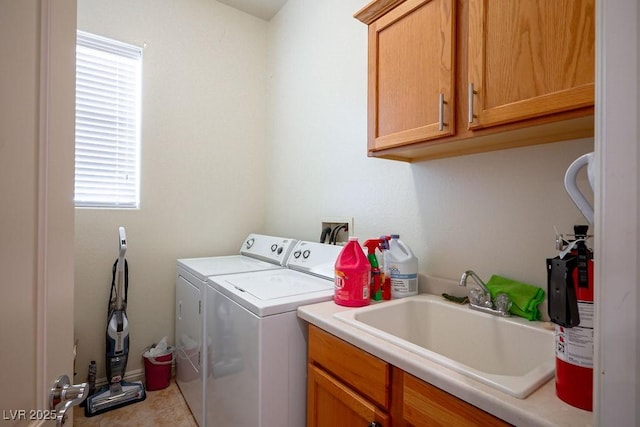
x,y
374,424
441,103
471,93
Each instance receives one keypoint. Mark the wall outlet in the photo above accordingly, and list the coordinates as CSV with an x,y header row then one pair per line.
x,y
336,229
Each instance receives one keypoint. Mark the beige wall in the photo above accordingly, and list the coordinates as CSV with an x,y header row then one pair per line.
x,y
492,212
203,118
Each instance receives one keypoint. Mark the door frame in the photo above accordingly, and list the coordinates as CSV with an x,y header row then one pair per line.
x,y
55,210
617,214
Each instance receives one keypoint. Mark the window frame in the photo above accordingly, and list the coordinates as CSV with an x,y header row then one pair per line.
x,y
108,123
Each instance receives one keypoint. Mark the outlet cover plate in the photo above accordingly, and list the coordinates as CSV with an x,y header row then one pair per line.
x,y
333,222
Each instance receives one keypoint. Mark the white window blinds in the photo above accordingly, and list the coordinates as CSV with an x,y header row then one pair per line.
x,y
108,88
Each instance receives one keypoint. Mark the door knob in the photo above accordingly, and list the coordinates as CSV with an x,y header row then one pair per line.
x,y
64,395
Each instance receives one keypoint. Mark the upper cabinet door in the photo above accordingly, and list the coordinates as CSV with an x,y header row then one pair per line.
x,y
529,59
411,74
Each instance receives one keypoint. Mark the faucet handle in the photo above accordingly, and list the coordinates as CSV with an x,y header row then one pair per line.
x,y
479,297
503,303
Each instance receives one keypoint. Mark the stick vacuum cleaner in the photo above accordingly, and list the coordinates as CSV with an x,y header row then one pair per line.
x,y
117,393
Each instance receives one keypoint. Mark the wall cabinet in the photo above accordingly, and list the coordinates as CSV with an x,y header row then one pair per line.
x,y
350,387
411,83
452,77
529,59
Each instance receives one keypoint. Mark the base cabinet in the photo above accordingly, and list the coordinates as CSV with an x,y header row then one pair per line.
x,y
332,403
345,385
348,387
426,405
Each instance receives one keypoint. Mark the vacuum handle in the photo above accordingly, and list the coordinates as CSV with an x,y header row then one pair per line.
x,y
122,242
120,271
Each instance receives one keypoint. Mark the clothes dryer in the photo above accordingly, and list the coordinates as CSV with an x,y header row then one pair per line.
x,y
257,374
257,253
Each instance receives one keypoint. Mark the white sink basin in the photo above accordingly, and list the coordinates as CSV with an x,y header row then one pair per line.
x,y
512,355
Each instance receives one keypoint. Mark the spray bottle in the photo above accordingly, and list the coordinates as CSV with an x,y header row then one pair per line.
x,y
385,276
376,274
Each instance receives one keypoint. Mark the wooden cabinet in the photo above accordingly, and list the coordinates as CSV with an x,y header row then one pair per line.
x,y
426,405
333,403
345,386
349,387
529,59
452,77
411,83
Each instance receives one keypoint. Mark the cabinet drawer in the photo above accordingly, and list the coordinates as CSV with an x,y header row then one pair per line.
x,y
363,372
425,404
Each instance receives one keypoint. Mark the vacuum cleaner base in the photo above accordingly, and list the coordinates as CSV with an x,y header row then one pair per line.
x,y
107,400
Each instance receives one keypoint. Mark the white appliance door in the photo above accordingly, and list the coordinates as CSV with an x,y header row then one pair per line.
x,y
233,373
212,266
267,293
188,340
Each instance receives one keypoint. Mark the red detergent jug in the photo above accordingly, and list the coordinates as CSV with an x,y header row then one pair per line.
x,y
353,275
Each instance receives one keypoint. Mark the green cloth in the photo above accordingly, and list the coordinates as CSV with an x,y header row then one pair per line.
x,y
525,298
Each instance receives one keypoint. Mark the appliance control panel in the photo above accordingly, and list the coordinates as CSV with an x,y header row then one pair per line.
x,y
268,248
314,258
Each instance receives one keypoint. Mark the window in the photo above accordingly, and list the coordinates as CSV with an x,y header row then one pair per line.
x,y
108,88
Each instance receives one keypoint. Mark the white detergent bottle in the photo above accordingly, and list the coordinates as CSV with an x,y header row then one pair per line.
x,y
403,268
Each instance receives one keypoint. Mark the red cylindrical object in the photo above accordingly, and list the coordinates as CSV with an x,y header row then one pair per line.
x,y
574,385
574,350
353,276
376,282
157,371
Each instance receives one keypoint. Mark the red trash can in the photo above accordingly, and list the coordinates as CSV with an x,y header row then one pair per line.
x,y
157,370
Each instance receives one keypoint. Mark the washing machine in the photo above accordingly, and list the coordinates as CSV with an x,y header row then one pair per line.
x,y
257,365
257,253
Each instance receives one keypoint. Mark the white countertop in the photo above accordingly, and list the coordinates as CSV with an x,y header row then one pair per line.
x,y
542,408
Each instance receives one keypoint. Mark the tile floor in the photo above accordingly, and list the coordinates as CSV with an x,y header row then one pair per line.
x,y
161,408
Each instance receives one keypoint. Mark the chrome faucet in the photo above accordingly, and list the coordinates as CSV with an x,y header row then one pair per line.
x,y
480,297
